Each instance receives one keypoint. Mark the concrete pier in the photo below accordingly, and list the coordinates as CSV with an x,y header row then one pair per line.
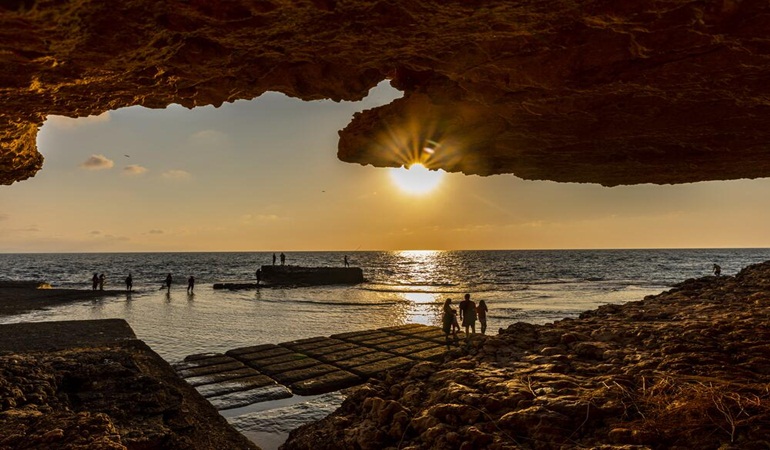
x,y
247,375
311,276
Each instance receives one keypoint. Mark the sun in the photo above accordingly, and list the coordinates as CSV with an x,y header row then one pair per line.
x,y
416,179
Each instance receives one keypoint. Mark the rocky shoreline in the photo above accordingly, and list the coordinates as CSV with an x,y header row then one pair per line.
x,y
686,369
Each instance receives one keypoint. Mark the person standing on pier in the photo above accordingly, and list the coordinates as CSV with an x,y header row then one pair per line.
x,y
273,258
346,261
94,281
283,258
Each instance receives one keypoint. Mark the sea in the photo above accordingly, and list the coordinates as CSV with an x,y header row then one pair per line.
x,y
534,286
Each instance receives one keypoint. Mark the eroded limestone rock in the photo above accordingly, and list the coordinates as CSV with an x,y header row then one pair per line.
x,y
594,91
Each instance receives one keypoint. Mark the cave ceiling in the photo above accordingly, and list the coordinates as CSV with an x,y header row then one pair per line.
x,y
609,92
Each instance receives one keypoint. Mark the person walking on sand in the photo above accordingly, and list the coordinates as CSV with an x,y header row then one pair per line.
x,y
481,312
168,282
129,282
468,315
283,258
190,284
94,281
717,270
346,261
101,282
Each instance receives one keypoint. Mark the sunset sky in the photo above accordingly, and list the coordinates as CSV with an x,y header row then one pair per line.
x,y
263,175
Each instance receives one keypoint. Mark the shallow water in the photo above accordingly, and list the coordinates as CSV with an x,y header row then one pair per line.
x,y
401,287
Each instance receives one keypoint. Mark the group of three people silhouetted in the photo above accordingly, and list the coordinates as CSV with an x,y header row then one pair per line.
x,y
469,313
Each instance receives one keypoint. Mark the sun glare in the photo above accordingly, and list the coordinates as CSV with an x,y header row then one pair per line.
x,y
416,179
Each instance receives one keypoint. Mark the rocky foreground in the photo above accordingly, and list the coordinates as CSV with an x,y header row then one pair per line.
x,y
92,385
686,369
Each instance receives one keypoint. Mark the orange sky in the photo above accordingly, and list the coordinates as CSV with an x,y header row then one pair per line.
x,y
263,175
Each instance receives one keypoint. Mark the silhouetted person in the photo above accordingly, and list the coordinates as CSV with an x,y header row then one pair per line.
x,y
94,281
468,315
346,261
283,258
259,276
168,282
481,312
101,282
717,270
129,282
447,319
190,284
273,258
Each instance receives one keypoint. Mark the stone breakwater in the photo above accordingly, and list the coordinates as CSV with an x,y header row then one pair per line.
x,y
92,385
686,369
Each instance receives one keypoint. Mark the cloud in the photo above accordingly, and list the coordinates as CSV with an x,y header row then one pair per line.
x,y
207,138
155,232
134,170
176,175
111,237
97,162
69,123
30,229
267,217
107,237
250,218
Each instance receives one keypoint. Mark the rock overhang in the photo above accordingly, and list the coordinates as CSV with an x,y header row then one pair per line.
x,y
597,92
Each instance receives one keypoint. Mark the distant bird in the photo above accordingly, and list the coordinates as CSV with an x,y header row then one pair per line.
x,y
126,156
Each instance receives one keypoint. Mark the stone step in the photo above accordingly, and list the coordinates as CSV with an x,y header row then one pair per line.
x,y
311,366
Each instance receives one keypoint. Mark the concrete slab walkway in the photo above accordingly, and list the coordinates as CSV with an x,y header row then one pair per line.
x,y
317,365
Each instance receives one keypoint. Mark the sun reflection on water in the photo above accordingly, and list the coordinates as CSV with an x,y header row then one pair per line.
x,y
421,297
419,267
423,272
